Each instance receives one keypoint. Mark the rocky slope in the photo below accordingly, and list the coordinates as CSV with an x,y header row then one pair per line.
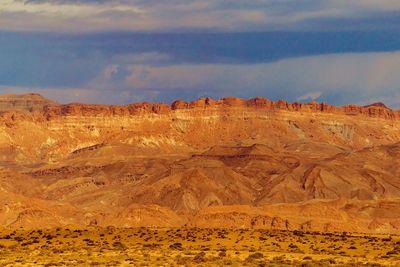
x,y
228,162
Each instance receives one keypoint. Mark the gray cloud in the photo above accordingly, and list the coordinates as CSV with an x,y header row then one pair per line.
x,y
358,78
222,15
336,78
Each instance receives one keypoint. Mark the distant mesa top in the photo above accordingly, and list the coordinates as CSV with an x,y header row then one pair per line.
x,y
36,103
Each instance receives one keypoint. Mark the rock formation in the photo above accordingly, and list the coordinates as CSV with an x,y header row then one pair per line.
x,y
230,162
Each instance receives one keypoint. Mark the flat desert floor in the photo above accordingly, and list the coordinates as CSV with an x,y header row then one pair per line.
x,y
194,247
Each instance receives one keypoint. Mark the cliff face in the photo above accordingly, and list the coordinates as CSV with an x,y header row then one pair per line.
x,y
377,110
201,159
57,130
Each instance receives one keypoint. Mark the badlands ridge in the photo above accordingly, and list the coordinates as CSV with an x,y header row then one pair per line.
x,y
207,163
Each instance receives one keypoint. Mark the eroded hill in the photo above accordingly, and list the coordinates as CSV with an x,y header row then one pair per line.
x,y
231,162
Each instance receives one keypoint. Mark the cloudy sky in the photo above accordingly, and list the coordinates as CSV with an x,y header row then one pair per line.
x,y
121,51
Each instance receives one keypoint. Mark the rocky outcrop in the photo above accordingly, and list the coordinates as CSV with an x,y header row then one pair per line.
x,y
374,111
207,163
50,109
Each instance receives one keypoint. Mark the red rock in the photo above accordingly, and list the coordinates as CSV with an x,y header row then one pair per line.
x,y
208,163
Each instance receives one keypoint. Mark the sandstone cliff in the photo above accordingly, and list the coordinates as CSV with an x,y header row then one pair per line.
x,y
232,162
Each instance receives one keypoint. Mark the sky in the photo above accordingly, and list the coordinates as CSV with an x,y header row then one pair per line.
x,y
122,51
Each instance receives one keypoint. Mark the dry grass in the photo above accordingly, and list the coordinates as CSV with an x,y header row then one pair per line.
x,y
190,247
